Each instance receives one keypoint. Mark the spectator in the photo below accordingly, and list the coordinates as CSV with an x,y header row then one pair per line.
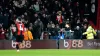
x,y
67,27
13,31
1,9
28,35
76,8
57,29
49,26
2,33
90,32
61,34
77,33
5,21
53,34
78,23
44,19
63,11
38,28
31,28
85,21
37,7
60,18
11,14
67,31
32,9
34,18
84,28
56,6
26,16
86,8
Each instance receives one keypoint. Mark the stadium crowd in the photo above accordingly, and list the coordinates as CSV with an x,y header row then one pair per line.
x,y
45,19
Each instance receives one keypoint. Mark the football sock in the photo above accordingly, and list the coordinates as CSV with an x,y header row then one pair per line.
x,y
17,46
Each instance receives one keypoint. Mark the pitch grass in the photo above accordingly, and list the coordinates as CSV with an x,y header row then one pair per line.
x,y
51,52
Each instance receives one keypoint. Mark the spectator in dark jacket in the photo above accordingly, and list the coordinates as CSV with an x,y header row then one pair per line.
x,y
77,33
84,28
38,28
67,31
53,32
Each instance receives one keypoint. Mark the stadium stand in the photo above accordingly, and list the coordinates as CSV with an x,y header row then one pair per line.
x,y
47,19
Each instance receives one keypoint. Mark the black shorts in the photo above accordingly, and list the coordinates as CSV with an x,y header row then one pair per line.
x,y
19,38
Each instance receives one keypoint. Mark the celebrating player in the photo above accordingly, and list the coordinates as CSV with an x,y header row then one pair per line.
x,y
20,33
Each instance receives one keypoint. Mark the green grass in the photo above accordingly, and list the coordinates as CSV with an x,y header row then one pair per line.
x,y
51,52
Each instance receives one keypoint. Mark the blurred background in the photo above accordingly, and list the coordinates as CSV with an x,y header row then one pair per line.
x,y
50,19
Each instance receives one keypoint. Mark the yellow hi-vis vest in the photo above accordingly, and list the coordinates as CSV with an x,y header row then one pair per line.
x,y
90,33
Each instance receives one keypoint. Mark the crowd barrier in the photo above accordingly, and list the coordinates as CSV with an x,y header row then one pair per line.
x,y
52,44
